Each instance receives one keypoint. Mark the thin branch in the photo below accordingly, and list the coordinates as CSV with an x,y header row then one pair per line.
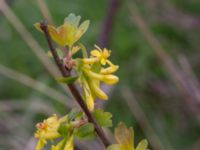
x,y
66,73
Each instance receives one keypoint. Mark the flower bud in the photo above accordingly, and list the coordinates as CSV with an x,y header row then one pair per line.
x,y
110,79
95,88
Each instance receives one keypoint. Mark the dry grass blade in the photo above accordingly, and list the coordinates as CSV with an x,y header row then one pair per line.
x,y
45,11
28,38
36,85
141,118
174,71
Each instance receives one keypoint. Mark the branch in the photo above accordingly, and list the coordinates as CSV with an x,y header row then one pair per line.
x,y
66,73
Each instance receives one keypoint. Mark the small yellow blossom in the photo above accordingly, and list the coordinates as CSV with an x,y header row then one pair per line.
x,y
108,78
88,96
94,70
102,55
68,33
47,130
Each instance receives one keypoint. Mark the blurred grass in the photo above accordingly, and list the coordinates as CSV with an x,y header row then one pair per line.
x,y
140,70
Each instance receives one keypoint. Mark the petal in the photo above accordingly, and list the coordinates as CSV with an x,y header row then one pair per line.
x,y
106,53
109,70
95,53
103,61
90,60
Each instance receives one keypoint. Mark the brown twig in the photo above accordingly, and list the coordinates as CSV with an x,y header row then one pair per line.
x,y
66,73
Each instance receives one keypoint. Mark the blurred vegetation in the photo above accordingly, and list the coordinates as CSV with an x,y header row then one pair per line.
x,y
176,23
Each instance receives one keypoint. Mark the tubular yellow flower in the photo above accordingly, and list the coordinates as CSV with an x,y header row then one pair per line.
x,y
102,55
97,91
111,69
89,99
108,79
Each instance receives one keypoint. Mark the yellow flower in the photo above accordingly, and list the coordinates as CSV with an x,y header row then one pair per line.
x,y
47,130
107,78
111,69
68,33
88,96
92,73
102,55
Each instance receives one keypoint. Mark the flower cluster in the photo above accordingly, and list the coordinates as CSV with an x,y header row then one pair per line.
x,y
65,128
48,130
92,70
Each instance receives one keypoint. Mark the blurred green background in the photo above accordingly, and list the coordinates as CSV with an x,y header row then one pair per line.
x,y
148,97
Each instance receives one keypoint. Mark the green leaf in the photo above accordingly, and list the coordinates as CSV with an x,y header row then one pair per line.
x,y
75,114
84,26
68,80
103,118
86,131
73,19
65,129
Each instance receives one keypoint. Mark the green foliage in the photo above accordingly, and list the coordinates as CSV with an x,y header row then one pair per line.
x,y
103,118
86,131
75,114
65,129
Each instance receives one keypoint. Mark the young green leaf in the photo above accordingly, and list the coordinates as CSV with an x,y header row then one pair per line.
x,y
103,118
68,80
75,114
86,131
65,129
